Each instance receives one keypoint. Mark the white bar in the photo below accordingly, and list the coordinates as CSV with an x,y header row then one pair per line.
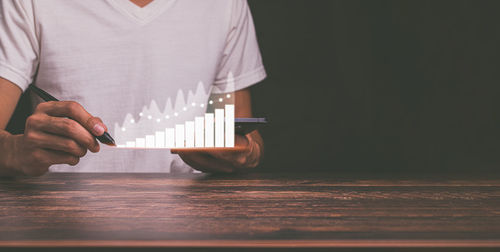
x,y
140,143
170,138
199,132
209,130
150,141
179,136
189,134
160,139
229,125
219,128
130,144
121,145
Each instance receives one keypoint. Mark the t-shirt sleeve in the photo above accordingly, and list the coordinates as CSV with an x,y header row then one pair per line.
x,y
19,45
241,63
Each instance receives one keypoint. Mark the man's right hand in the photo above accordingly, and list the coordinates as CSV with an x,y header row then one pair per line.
x,y
58,132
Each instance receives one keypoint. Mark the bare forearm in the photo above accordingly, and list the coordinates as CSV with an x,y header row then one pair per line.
x,y
9,95
7,149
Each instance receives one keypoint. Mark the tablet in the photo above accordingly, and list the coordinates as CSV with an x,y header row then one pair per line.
x,y
244,126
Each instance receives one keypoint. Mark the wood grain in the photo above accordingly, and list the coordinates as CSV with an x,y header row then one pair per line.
x,y
310,210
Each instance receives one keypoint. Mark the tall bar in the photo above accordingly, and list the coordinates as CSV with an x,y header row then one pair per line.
x,y
160,139
219,128
150,141
190,134
179,136
229,125
209,130
169,138
140,143
199,132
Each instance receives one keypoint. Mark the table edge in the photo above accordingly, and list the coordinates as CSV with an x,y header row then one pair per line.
x,y
255,243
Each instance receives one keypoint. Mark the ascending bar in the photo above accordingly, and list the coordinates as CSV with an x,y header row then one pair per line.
x,y
219,128
140,143
150,141
179,136
190,134
160,139
169,138
130,144
199,131
229,125
209,130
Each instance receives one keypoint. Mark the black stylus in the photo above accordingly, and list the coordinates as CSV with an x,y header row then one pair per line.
x,y
105,138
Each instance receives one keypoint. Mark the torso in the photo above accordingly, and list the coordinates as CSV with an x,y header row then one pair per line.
x,y
121,61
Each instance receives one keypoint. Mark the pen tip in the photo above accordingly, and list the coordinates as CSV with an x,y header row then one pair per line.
x,y
107,139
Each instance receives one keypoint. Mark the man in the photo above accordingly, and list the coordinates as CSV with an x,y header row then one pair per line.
x,y
113,58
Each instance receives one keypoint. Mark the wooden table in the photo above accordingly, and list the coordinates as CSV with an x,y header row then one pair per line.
x,y
250,211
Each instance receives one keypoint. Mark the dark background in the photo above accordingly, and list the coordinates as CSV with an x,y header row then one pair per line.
x,y
379,85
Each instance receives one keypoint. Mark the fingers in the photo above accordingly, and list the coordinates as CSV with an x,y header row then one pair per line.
x,y
218,159
241,150
237,156
206,163
57,157
42,159
54,142
63,127
74,111
51,157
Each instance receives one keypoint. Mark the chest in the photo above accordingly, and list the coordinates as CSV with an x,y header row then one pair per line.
x,y
185,36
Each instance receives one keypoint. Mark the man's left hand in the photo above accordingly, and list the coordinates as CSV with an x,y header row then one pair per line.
x,y
245,155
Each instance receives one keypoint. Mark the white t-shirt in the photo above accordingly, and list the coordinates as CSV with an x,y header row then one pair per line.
x,y
154,66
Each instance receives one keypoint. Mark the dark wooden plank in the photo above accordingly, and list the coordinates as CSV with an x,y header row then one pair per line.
x,y
248,209
255,244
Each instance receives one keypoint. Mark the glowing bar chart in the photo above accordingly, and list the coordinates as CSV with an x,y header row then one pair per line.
x,y
170,138
189,134
199,132
180,136
140,143
219,128
160,139
211,130
229,126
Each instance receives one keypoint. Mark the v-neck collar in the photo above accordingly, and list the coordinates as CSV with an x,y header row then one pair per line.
x,y
142,15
